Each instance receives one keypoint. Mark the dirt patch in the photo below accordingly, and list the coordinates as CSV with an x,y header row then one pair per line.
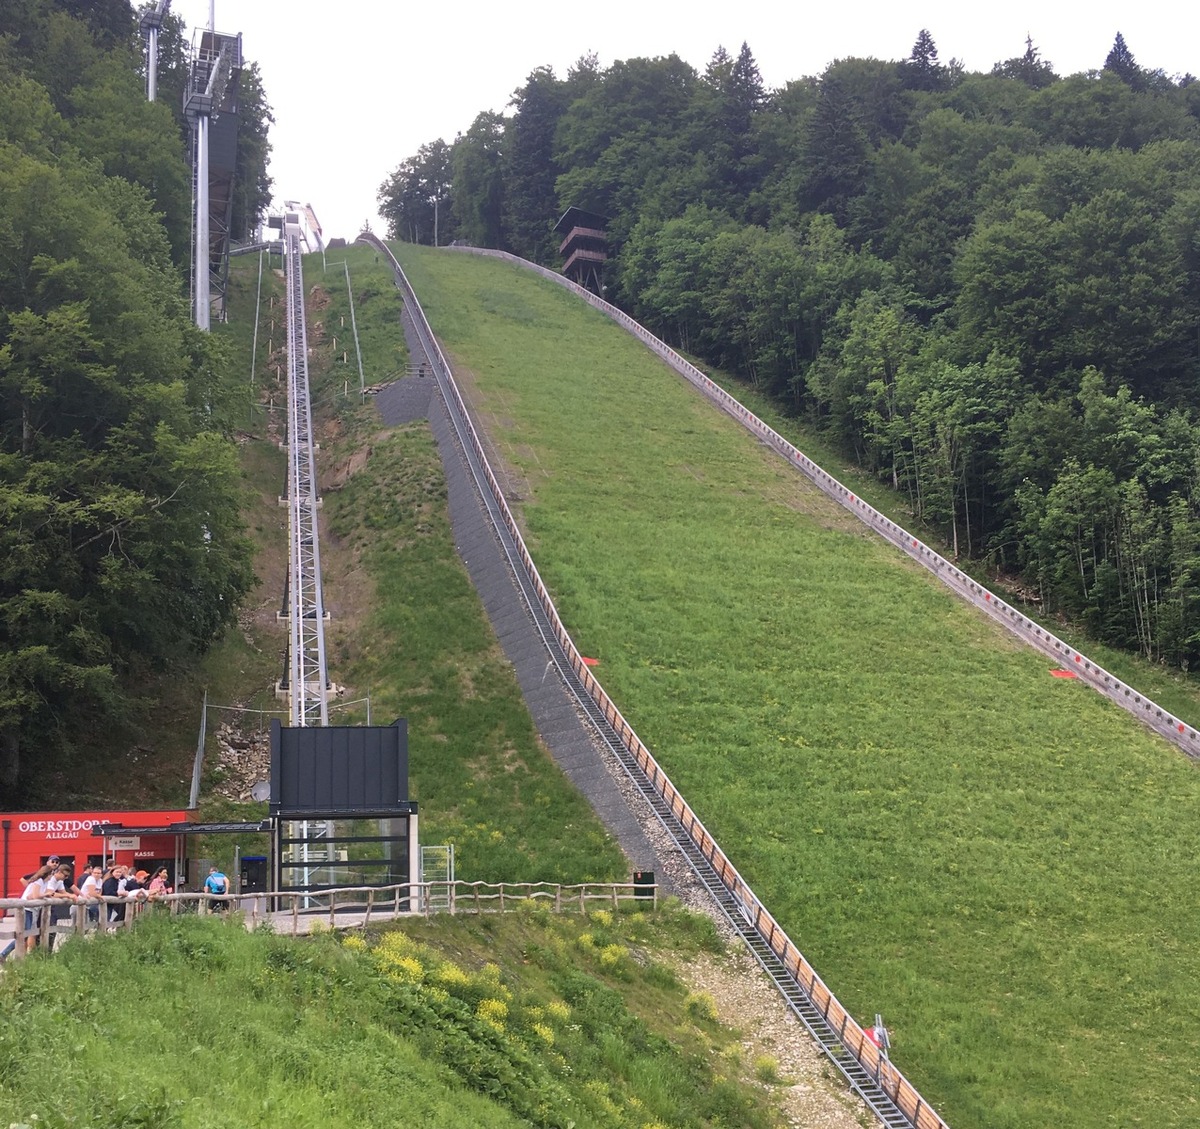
x,y
808,1089
243,759
345,469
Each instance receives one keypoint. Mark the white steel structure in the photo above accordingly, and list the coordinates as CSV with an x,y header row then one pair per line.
x,y
307,683
151,24
312,238
216,59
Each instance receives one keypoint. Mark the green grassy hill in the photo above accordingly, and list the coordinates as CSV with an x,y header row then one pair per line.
x,y
478,1023
996,860
527,1019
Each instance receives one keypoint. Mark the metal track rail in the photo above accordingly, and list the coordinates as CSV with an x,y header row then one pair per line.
x,y
307,683
868,1073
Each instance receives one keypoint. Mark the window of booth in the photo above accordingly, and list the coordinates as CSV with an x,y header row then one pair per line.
x,y
319,854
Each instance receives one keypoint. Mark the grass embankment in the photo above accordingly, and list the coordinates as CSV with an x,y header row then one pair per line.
x,y
996,860
193,1023
1170,687
408,628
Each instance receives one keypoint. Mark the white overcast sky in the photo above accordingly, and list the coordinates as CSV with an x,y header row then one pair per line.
x,y
359,85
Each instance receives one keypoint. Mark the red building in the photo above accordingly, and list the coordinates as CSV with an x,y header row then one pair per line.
x,y
28,839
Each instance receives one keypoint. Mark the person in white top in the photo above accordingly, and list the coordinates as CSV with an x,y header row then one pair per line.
x,y
55,887
89,891
35,889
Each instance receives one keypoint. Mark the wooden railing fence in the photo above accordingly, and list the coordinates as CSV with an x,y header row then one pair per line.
x,y
294,912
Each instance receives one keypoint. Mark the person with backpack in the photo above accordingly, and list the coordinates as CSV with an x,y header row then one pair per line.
x,y
216,883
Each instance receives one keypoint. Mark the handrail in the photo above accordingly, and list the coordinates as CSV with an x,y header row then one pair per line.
x,y
854,1038
1145,709
340,907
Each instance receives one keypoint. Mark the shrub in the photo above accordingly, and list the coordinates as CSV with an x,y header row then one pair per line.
x,y
701,1006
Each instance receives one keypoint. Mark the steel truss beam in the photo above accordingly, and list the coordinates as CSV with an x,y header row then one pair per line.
x,y
307,682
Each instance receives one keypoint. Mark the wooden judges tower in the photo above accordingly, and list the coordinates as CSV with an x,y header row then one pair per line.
x,y
585,247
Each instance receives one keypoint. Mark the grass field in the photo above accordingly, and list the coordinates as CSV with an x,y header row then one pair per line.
x,y
997,861
193,1023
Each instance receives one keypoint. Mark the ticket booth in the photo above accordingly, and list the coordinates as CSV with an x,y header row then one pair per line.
x,y
30,839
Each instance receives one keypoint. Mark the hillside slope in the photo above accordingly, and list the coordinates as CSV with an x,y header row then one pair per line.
x,y
501,1021
985,854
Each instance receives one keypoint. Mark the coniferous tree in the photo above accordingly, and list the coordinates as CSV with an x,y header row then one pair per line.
x,y
835,152
921,70
530,200
737,95
477,162
1121,62
1028,68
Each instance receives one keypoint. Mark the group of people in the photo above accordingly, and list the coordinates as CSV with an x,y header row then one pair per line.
x,y
55,882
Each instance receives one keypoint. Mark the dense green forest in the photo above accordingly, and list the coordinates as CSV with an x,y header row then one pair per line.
x,y
121,549
986,287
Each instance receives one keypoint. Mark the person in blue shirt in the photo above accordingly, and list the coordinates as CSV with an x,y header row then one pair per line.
x,y
216,883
